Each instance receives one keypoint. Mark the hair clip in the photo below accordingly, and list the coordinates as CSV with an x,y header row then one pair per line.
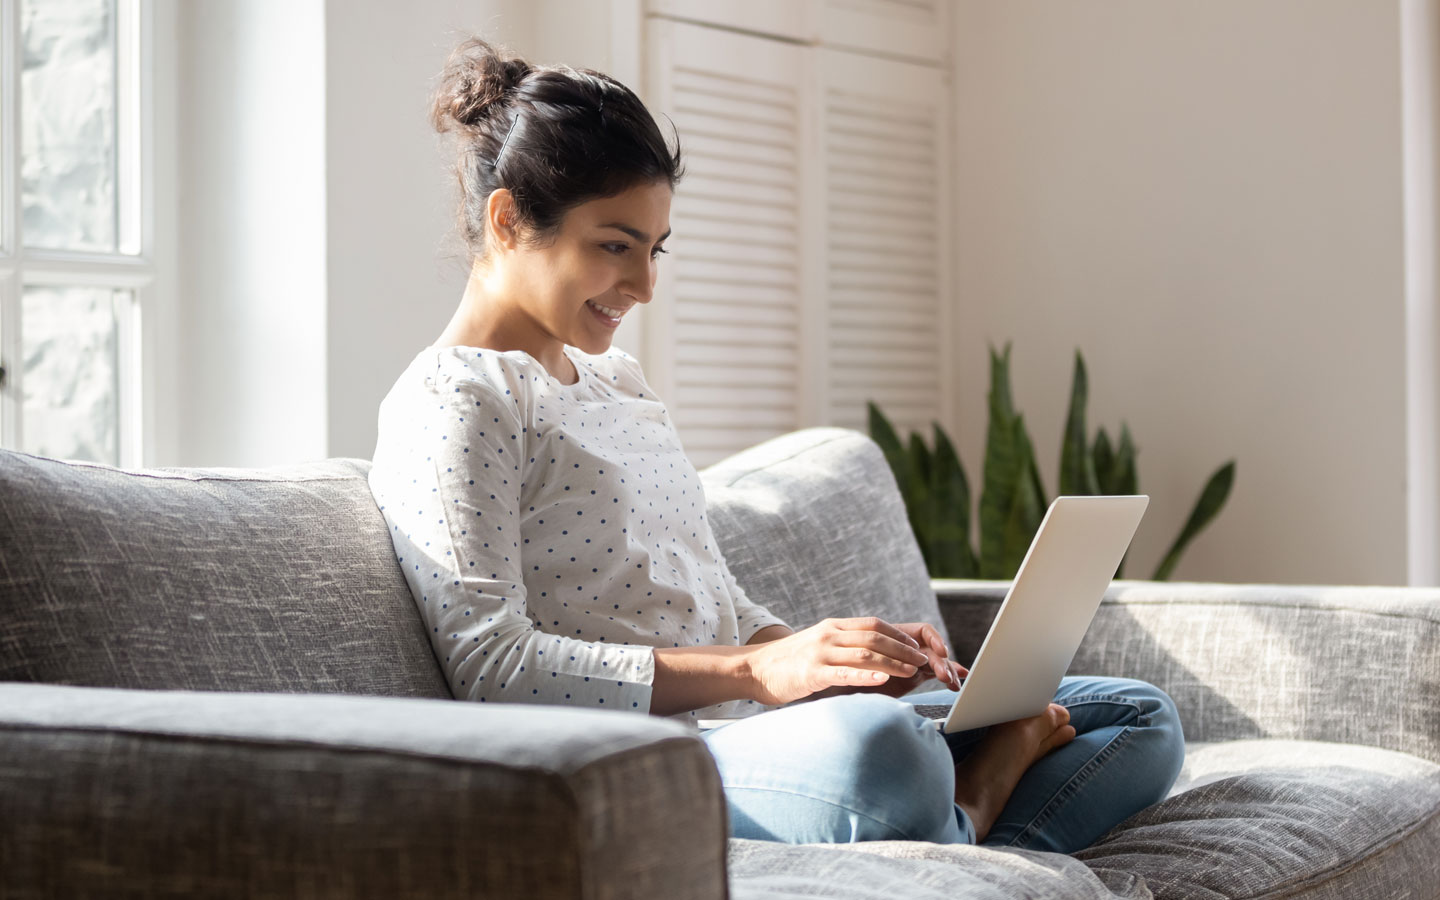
x,y
498,156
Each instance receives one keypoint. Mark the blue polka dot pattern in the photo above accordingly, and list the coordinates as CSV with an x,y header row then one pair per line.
x,y
552,535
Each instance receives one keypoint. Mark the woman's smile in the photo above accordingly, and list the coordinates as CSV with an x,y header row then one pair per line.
x,y
607,315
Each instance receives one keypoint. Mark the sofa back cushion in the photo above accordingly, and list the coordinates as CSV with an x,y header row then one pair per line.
x,y
812,526
280,579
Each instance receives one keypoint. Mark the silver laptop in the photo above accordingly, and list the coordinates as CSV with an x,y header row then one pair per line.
x,y
1045,615
1046,612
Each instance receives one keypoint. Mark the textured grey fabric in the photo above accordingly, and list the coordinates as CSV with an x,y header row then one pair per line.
x,y
916,870
1354,665
813,526
280,579
176,793
1273,818
284,580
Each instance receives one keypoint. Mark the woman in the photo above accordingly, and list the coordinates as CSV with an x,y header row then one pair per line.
x,y
554,534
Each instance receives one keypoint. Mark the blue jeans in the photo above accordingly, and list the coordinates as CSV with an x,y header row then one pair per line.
x,y
866,767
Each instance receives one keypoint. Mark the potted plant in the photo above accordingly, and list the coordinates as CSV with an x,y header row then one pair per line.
x,y
1013,499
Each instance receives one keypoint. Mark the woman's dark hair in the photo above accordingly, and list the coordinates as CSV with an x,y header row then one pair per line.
x,y
554,136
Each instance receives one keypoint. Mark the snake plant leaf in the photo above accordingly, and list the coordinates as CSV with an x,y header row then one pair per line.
x,y
920,456
1216,491
926,514
950,543
1025,511
1126,476
1077,468
883,433
1124,479
1035,482
1103,456
1002,468
903,467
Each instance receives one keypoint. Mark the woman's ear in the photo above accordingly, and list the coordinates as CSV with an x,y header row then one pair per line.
x,y
500,216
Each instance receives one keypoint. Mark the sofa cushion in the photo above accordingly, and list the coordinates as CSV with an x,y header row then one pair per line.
x,y
184,794
1273,818
812,524
1254,819
916,870
281,579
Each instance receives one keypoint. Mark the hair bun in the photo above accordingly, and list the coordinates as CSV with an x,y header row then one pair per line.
x,y
476,80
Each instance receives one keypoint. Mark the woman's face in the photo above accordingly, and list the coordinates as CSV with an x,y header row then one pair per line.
x,y
605,255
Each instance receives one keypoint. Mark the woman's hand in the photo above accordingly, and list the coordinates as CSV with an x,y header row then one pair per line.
x,y
853,654
939,665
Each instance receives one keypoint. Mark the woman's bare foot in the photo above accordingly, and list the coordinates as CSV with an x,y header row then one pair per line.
x,y
987,777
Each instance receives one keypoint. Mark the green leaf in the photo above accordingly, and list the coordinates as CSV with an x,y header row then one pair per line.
x,y
1077,469
1104,458
1212,498
1126,479
1002,468
920,457
924,509
1025,512
950,544
883,433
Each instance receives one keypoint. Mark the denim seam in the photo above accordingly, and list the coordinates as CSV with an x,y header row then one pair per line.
x,y
1142,718
1070,788
849,809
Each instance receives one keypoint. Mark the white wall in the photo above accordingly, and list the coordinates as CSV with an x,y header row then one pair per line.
x,y
1206,199
314,210
250,98
396,265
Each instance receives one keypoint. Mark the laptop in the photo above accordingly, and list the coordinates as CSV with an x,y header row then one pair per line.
x,y
1044,616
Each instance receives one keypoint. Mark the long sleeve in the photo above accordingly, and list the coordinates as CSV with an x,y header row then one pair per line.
x,y
454,504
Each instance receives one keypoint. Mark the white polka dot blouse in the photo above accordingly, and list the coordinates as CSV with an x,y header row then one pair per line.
x,y
552,535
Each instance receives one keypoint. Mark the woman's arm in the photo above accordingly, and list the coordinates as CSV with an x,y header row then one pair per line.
x,y
779,666
770,633
688,678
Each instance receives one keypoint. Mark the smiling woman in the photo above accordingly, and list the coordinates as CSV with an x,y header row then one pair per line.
x,y
554,536
565,184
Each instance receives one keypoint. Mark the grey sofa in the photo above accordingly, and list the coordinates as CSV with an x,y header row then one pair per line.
x,y
214,682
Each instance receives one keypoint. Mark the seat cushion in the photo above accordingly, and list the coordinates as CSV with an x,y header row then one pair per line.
x,y
226,579
812,525
1273,818
916,870
1252,819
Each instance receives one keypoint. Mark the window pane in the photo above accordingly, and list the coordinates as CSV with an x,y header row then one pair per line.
x,y
67,132
71,372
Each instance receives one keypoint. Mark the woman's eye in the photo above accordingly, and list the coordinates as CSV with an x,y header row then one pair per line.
x,y
619,249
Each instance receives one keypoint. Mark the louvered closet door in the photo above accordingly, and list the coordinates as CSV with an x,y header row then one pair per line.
x,y
885,131
724,333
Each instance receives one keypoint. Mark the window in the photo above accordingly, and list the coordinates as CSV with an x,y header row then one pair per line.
x,y
76,260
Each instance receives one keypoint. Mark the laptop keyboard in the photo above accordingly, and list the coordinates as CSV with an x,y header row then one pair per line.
x,y
933,710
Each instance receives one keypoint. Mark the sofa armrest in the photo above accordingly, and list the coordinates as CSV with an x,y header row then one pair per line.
x,y
1351,664
188,793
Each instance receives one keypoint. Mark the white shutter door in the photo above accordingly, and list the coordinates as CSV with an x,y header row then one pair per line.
x,y
885,134
724,332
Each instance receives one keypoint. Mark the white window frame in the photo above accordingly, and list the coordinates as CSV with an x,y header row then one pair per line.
x,y
134,271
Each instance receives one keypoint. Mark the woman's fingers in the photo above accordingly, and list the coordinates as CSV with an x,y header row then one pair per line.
x,y
930,637
852,675
884,645
871,623
871,660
